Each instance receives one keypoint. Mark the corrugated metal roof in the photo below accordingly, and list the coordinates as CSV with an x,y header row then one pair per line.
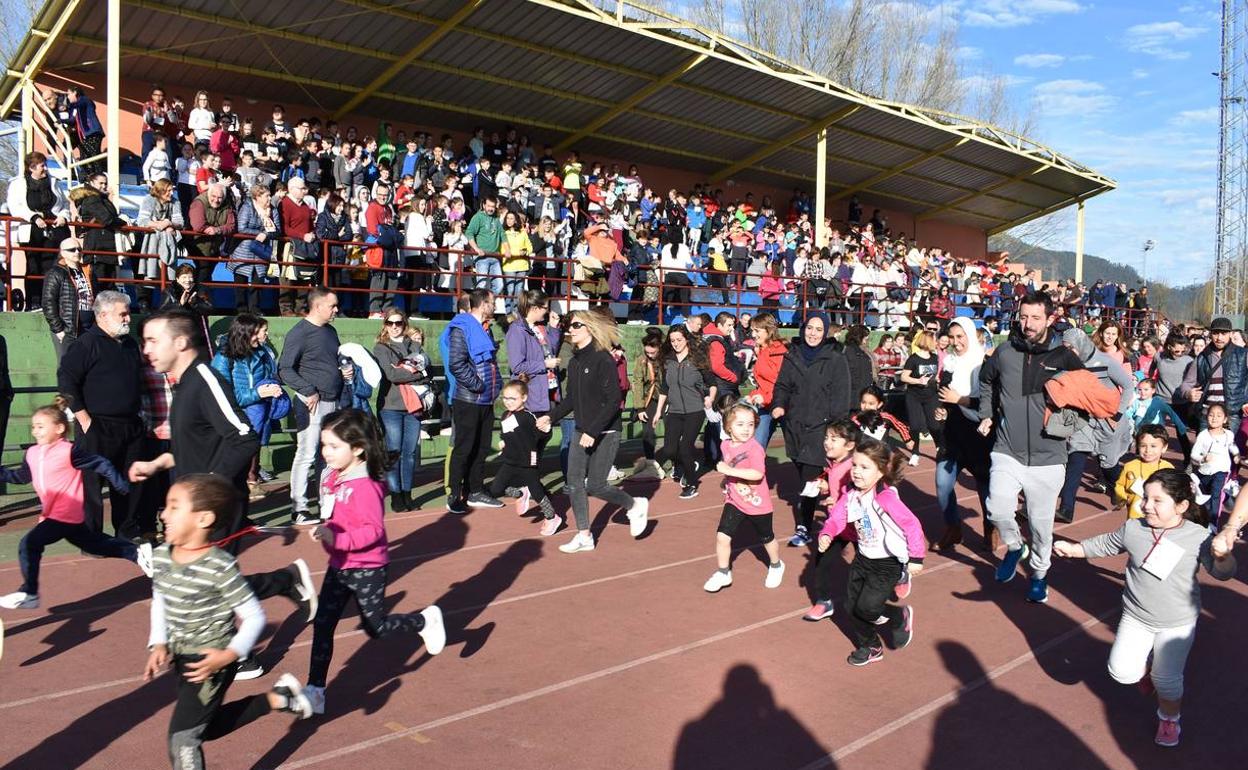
x,y
639,85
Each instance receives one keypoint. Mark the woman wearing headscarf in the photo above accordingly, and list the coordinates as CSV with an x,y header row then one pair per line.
x,y
1107,439
812,390
964,448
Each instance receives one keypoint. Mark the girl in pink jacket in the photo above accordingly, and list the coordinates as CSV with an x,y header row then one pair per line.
x,y
889,546
54,466
353,533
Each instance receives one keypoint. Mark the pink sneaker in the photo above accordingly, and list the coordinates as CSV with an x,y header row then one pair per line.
x,y
551,526
1167,732
902,589
522,502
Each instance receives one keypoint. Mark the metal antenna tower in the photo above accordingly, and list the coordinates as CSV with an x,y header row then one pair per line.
x,y
1230,270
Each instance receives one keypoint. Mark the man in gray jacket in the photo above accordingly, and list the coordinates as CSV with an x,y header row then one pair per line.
x,y
1024,458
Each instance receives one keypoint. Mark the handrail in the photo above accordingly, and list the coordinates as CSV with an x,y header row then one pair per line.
x,y
858,302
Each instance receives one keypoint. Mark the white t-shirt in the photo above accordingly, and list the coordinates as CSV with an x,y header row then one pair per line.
x,y
1218,450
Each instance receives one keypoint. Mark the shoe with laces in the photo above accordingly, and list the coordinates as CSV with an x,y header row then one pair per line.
x,y
523,502
1009,564
865,656
800,537
456,505
638,515
288,687
718,580
615,475
1167,731
775,575
903,636
144,559
305,518
581,541
248,668
20,600
482,500
551,526
434,631
265,476
820,610
316,698
1038,591
302,589
688,491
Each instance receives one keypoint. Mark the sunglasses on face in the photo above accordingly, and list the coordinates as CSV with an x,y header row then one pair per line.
x,y
74,250
576,325
394,322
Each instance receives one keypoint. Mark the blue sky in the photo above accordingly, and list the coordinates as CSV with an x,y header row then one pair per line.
x,y
1125,88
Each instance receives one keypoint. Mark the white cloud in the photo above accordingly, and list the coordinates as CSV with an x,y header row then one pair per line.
x,y
1139,74
1014,13
1159,39
1056,98
1038,60
969,53
1206,117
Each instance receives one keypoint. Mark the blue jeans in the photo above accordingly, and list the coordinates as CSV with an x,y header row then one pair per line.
x,y
567,428
489,274
402,436
513,284
766,426
946,491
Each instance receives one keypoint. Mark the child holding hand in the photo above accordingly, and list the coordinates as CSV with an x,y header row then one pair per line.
x,y
839,441
1161,603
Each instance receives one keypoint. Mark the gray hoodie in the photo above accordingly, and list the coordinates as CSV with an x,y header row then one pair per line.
x,y
1108,439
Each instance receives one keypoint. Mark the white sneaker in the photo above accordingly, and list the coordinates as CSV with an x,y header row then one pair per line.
x,y
716,581
775,576
316,698
20,600
434,632
658,470
581,541
144,559
296,702
914,460
638,515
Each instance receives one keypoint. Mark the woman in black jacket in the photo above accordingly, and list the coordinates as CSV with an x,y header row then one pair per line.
x,y
593,398
812,390
686,391
68,294
95,207
861,364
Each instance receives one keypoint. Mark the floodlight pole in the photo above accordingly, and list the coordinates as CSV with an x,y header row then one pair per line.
x,y
1079,243
113,117
821,185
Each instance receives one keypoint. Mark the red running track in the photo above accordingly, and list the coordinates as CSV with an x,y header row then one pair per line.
x,y
618,659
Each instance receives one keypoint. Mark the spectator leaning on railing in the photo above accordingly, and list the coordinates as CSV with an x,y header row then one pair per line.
x,y
214,221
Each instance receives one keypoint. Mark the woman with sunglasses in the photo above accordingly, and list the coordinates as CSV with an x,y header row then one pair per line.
x,y
68,296
403,361
593,399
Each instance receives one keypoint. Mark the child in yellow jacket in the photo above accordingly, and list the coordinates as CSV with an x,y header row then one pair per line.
x,y
1150,442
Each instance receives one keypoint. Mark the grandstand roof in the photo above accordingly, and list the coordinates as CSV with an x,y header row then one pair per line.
x,y
613,79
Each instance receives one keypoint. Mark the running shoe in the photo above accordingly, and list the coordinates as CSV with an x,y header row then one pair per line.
x,y
248,668
482,500
20,600
775,576
288,687
914,460
1167,732
434,631
305,518
902,589
302,589
717,581
144,559
551,526
865,656
1038,591
902,636
581,541
523,501
638,515
688,491
800,537
1009,564
820,610
456,505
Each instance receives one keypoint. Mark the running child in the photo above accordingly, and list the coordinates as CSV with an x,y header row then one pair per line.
x,y
839,442
518,476
197,592
55,465
1150,442
353,533
874,421
1213,452
747,498
1161,602
889,542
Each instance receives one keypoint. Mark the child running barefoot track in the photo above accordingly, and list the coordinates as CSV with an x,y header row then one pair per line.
x,y
55,467
197,593
354,536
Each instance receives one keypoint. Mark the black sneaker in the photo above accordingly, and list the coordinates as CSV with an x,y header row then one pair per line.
x,y
1064,515
266,476
482,500
865,656
302,589
689,491
455,505
903,635
248,668
305,518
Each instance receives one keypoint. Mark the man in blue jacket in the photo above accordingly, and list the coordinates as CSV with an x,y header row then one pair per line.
x,y
473,383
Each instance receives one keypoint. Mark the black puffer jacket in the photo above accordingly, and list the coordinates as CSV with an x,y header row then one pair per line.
x,y
60,301
94,207
812,395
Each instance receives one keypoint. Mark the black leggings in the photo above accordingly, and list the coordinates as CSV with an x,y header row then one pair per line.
x,y
871,584
804,511
921,414
823,569
368,586
199,714
680,434
516,476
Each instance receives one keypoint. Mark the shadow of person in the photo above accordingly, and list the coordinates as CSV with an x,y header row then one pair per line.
x,y
375,671
745,728
965,728
72,621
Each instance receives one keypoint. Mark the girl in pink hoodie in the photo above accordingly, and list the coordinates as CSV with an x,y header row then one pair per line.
x,y
353,533
889,545
54,466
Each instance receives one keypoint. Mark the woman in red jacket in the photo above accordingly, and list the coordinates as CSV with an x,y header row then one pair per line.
x,y
769,353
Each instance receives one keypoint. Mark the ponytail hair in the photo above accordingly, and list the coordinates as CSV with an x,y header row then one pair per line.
x,y
55,412
1181,488
889,462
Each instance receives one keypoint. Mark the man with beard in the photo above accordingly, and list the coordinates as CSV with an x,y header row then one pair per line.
x,y
1218,376
1024,457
